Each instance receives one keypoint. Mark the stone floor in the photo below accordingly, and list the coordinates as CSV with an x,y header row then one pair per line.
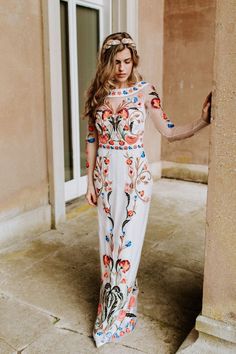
x,y
49,283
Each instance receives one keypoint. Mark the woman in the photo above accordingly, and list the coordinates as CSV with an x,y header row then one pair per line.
x,y
119,178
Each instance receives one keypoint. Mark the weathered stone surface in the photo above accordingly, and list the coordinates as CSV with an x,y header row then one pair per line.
x,y
21,323
5,348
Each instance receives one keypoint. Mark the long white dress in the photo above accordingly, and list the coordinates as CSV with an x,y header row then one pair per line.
x,y
123,184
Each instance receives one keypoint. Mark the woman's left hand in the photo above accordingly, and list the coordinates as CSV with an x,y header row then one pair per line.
x,y
206,109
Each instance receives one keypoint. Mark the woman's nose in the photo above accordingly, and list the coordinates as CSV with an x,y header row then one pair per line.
x,y
121,67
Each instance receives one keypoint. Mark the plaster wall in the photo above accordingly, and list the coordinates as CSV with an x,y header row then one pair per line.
x,y
23,177
150,44
188,73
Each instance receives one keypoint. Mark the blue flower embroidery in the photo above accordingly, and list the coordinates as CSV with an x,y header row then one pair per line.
x,y
135,99
90,140
143,154
107,238
128,244
170,125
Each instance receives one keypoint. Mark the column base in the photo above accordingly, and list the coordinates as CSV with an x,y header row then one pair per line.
x,y
214,337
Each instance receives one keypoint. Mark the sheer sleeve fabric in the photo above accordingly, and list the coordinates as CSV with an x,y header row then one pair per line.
x,y
91,143
91,135
163,124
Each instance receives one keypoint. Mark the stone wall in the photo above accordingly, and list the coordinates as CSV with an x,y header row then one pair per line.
x,y
23,178
150,44
188,73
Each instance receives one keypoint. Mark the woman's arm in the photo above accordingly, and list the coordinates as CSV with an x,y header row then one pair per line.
x,y
91,152
165,126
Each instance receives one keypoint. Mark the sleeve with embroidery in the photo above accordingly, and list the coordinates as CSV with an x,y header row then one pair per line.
x,y
163,124
91,138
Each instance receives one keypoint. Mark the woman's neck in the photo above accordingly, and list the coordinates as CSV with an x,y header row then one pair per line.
x,y
121,85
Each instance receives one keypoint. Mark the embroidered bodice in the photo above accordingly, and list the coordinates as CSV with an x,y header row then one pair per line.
x,y
121,119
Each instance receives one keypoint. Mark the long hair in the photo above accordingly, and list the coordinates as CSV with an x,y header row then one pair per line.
x,y
102,82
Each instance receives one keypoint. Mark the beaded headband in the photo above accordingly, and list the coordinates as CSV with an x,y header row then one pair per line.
x,y
111,42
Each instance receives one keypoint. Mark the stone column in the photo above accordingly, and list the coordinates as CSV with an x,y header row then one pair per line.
x,y
217,322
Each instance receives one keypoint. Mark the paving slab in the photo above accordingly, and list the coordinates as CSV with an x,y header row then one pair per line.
x,y
20,323
5,348
58,341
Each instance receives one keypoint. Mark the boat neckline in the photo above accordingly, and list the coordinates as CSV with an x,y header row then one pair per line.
x,y
124,91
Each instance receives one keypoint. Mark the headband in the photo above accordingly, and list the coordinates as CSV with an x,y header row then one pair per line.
x,y
111,42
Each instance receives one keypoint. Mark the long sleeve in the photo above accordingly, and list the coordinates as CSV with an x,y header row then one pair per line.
x,y
91,141
91,135
163,124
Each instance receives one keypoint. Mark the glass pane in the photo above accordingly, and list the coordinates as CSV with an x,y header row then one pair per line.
x,y
68,150
88,45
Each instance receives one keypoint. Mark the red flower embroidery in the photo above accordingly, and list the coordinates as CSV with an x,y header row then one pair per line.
x,y
130,212
164,116
106,260
156,102
129,161
91,128
103,138
107,113
107,210
131,139
125,265
141,193
124,113
121,315
131,302
99,309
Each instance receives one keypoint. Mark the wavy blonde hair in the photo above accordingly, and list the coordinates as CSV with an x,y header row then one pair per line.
x,y
102,82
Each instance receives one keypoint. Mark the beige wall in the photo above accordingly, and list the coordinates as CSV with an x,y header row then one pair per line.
x,y
220,267
150,45
23,177
188,73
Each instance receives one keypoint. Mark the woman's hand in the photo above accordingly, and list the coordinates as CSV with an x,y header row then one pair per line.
x,y
91,195
206,109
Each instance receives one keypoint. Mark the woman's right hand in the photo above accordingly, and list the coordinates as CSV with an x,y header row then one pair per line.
x,y
91,195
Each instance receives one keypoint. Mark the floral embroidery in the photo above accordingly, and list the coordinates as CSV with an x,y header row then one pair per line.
x,y
100,174
124,126
128,90
139,176
156,104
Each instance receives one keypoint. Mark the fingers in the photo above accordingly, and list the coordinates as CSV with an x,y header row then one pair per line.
x,y
91,198
94,197
206,107
208,99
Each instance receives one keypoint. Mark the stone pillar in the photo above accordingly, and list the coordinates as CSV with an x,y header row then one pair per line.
x,y
217,322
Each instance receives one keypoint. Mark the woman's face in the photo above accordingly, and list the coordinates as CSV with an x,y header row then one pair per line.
x,y
123,67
